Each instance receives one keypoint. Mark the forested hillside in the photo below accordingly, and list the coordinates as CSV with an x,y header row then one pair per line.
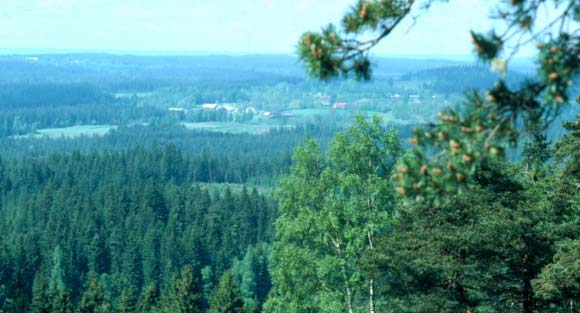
x,y
333,181
131,221
112,203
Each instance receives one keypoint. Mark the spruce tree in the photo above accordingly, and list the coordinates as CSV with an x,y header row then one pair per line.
x,y
16,296
480,252
207,278
127,301
226,298
93,299
62,302
41,298
56,274
149,299
559,282
183,296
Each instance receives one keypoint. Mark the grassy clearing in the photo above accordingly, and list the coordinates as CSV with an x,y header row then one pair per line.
x,y
221,187
230,127
309,113
70,132
388,117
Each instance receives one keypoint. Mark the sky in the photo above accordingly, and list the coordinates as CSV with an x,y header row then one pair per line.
x,y
219,26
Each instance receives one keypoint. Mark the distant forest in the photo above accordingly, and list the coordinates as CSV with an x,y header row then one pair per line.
x,y
172,207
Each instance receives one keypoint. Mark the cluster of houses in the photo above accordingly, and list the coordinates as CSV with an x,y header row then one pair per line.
x,y
229,108
213,106
232,109
325,101
415,99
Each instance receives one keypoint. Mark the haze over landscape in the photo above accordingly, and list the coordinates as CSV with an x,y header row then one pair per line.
x,y
225,26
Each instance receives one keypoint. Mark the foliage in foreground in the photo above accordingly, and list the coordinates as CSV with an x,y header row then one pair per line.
x,y
508,244
332,209
476,233
449,154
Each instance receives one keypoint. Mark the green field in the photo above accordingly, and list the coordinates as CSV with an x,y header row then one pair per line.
x,y
231,127
70,132
221,187
388,118
308,113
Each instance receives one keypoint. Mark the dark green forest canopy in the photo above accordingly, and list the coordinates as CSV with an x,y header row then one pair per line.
x,y
122,220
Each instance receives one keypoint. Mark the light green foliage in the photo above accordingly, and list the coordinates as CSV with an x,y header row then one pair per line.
x,y
93,299
331,210
226,298
478,230
40,296
567,152
51,295
233,128
70,132
184,296
559,282
148,300
62,302
252,273
207,281
56,274
127,301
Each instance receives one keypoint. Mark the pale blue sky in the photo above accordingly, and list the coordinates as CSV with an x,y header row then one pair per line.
x,y
230,26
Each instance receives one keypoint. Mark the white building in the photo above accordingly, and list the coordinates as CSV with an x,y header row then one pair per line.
x,y
209,106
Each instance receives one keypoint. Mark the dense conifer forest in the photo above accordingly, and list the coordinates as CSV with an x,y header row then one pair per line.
x,y
131,221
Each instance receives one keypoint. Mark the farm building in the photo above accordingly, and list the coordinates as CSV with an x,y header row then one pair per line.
x,y
229,108
209,106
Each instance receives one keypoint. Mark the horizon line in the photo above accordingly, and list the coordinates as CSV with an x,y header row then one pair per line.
x,y
185,53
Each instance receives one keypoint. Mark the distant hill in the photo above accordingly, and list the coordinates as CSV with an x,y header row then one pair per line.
x,y
110,67
456,79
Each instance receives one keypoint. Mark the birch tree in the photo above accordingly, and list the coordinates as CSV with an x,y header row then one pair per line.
x,y
332,207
